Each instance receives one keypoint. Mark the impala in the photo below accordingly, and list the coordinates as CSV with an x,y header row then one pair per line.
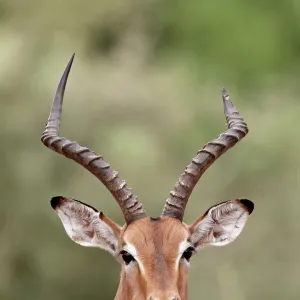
x,y
154,253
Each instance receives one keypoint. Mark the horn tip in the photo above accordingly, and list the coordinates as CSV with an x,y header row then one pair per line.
x,y
224,92
71,60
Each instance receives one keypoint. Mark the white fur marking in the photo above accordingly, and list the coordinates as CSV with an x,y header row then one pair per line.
x,y
182,247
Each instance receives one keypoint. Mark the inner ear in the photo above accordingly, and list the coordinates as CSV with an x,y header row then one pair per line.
x,y
221,224
85,225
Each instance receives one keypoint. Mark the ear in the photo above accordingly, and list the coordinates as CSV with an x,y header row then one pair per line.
x,y
221,224
85,225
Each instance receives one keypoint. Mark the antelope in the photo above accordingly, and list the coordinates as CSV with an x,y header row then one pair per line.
x,y
154,253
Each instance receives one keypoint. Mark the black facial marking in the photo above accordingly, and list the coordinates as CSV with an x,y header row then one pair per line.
x,y
155,219
55,201
127,257
187,254
249,205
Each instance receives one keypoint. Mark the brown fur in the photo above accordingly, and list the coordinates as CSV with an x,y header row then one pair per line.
x,y
162,278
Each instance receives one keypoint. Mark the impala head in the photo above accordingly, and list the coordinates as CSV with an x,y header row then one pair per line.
x,y
154,253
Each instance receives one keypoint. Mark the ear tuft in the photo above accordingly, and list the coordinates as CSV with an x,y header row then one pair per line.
x,y
249,205
55,201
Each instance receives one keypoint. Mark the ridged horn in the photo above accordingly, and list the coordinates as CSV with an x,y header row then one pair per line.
x,y
131,208
237,129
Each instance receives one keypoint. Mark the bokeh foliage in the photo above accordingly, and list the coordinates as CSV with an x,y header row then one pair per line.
x,y
145,93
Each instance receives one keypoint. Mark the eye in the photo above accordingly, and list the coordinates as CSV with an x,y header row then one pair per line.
x,y
187,254
127,257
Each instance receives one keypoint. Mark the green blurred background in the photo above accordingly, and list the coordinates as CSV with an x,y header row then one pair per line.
x,y
145,92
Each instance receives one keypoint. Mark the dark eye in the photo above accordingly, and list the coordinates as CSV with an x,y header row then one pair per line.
x,y
187,254
127,257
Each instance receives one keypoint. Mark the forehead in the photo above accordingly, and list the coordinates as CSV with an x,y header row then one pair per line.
x,y
157,233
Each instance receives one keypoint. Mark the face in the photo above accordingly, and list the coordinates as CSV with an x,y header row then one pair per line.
x,y
156,253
